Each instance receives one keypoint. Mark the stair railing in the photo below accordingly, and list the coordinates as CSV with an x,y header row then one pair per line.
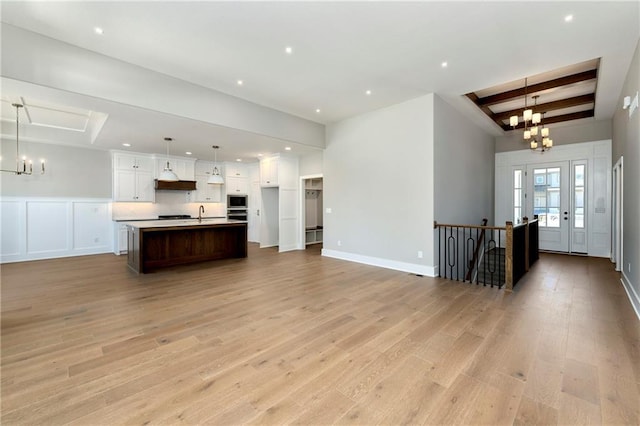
x,y
474,259
504,253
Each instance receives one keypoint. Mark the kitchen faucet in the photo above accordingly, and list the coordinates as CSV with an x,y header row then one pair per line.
x,y
200,211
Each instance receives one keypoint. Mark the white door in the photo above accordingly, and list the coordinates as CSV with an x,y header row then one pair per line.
x,y
549,199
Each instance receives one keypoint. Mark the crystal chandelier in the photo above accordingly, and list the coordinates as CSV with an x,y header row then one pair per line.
x,y
535,134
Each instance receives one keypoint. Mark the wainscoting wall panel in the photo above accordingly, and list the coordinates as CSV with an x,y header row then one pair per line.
x,y
43,228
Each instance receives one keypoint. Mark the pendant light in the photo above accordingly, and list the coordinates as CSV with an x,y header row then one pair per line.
x,y
167,174
22,168
215,178
535,134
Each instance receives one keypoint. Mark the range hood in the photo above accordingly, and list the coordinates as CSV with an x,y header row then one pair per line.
x,y
178,185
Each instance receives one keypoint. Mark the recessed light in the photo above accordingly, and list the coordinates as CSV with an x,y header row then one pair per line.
x,y
259,154
368,92
126,144
444,64
288,50
239,160
240,82
568,18
318,110
98,30
287,148
188,152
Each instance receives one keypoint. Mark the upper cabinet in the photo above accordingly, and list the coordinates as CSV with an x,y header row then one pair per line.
x,y
137,162
205,168
236,179
279,171
205,192
236,170
183,167
133,177
269,171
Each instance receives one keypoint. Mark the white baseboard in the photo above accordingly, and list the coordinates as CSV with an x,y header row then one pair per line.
x,y
55,255
631,293
428,271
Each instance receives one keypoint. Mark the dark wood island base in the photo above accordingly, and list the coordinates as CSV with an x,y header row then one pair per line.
x,y
152,247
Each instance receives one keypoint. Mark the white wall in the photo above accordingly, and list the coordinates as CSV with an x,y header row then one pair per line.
x,y
626,144
378,183
31,57
464,168
311,164
586,130
70,172
598,201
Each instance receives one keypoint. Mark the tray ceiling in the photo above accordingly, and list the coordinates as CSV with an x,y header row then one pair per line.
x,y
563,95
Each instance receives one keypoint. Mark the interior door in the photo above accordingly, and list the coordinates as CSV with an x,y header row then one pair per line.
x,y
550,201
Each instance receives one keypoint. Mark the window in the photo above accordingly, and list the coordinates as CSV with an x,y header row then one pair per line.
x,y
517,196
578,195
546,197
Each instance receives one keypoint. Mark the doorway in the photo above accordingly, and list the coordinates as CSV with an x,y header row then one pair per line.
x,y
312,212
557,193
617,204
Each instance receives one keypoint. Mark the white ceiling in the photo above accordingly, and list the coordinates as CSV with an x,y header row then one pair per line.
x,y
340,50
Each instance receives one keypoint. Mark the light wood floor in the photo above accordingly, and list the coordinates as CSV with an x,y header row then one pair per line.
x,y
298,338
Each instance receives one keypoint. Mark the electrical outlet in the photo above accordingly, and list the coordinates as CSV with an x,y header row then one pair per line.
x,y
328,210
419,254
339,243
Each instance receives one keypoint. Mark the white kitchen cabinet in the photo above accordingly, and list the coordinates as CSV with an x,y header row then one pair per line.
x,y
279,214
142,163
131,185
119,238
184,168
269,172
237,185
236,178
236,170
205,168
133,178
205,192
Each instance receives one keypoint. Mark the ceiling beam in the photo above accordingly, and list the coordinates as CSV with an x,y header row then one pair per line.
x,y
545,85
555,119
549,106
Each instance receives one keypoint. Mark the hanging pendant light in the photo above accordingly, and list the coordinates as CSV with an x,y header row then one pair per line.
x,y
167,174
22,168
215,178
535,134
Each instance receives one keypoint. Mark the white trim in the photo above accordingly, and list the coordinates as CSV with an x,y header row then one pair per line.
x,y
302,244
427,271
617,217
65,244
631,293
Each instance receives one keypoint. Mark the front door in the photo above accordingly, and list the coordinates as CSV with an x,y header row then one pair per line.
x,y
549,199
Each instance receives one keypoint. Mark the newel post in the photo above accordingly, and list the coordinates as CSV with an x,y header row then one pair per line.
x,y
525,220
508,264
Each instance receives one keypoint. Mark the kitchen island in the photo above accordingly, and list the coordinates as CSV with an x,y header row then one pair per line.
x,y
156,244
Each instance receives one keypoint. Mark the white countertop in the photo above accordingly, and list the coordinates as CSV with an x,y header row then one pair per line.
x,y
180,222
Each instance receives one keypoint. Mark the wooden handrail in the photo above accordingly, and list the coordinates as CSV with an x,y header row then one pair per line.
x,y
448,225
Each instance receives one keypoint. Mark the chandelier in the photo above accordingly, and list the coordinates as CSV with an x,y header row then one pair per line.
x,y
535,134
23,165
